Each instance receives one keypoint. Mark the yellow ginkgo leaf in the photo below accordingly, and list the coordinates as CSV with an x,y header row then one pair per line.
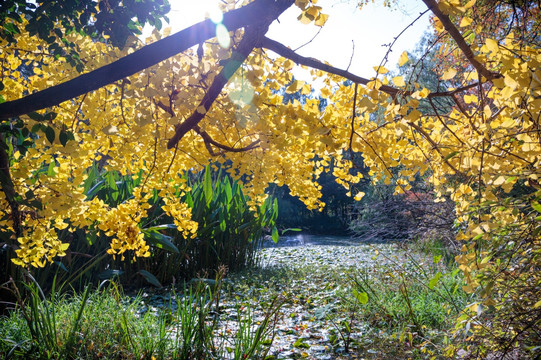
x,y
466,21
399,81
492,45
449,74
424,93
201,109
312,12
403,59
499,181
381,70
304,19
321,19
469,4
294,87
302,3
306,89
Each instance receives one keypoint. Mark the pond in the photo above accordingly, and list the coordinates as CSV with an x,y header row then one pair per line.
x,y
300,250
302,239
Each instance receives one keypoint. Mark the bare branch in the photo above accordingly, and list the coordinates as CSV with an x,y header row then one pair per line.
x,y
312,39
390,49
286,52
352,53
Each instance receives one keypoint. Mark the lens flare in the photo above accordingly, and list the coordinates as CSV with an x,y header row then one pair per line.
x,y
223,36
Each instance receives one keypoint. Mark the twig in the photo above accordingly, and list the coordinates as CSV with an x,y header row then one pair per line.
x,y
352,53
312,39
386,57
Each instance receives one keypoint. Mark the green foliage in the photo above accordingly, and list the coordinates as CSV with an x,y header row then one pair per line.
x,y
111,19
48,337
229,233
416,299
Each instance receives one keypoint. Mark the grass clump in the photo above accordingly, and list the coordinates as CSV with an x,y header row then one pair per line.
x,y
108,324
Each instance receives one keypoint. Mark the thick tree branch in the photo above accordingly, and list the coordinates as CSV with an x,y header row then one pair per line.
x,y
252,14
208,139
6,184
455,34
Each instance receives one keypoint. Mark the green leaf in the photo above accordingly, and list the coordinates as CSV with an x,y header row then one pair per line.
x,y
49,133
35,116
436,259
110,178
50,169
454,153
290,229
536,206
37,128
107,274
150,278
63,137
434,281
49,116
12,28
160,240
301,345
275,236
161,227
361,297
207,186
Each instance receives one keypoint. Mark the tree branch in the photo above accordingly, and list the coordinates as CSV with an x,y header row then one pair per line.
x,y
7,186
286,52
251,14
210,141
455,34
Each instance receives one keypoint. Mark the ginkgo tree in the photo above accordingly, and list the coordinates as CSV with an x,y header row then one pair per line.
x,y
210,94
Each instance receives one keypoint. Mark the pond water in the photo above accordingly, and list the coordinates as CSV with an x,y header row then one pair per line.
x,y
302,239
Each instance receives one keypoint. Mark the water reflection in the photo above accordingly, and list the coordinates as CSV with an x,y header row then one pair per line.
x,y
300,239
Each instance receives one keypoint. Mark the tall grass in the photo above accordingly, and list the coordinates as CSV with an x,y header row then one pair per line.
x,y
229,234
107,324
415,303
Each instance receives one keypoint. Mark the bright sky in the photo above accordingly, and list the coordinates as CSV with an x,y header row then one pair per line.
x,y
369,29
